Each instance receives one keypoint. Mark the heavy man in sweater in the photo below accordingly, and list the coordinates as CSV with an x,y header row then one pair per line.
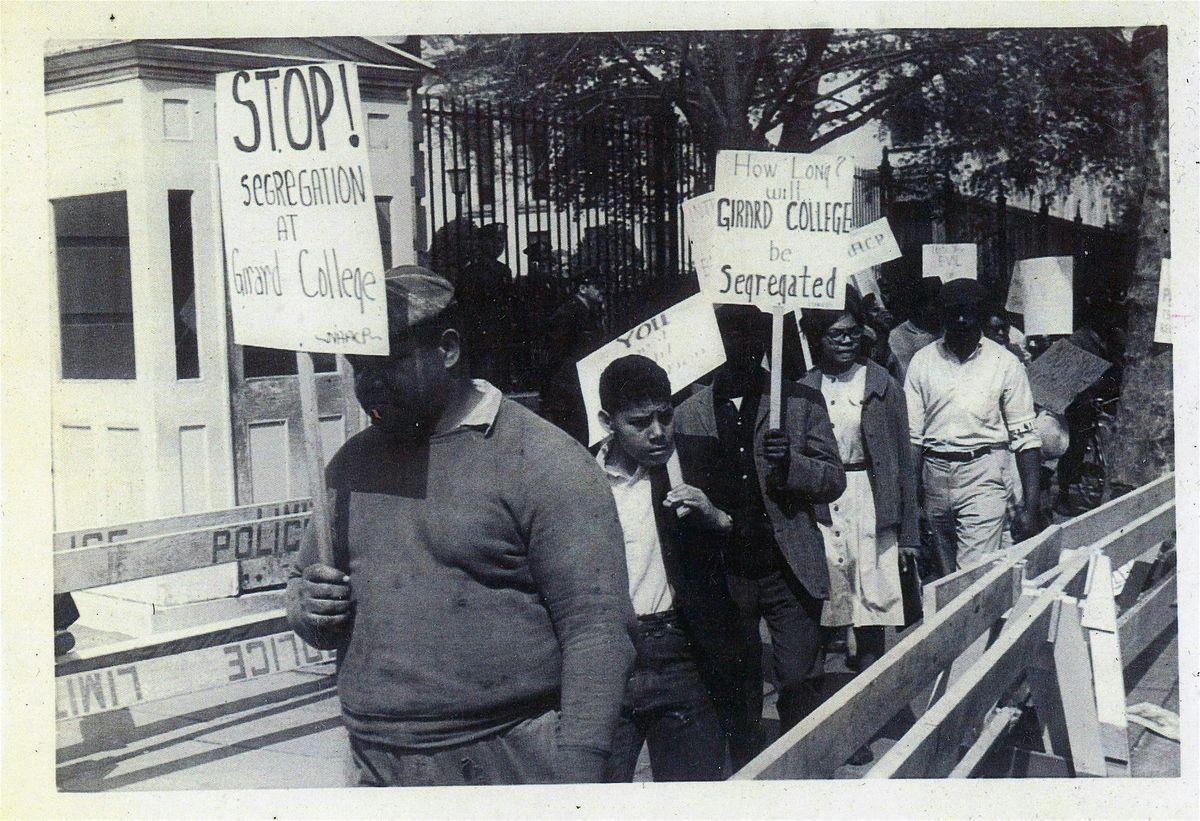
x,y
479,603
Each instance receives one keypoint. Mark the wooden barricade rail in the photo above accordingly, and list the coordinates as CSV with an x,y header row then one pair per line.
x,y
268,534
136,671
1043,613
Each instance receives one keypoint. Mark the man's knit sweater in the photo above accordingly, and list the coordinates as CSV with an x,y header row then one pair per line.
x,y
489,585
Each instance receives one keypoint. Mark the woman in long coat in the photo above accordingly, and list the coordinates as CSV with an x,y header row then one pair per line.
x,y
876,517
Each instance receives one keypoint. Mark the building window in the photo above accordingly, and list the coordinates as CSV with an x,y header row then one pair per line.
x,y
95,291
383,214
259,362
183,284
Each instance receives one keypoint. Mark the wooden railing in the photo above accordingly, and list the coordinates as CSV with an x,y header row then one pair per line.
x,y
1042,616
1039,619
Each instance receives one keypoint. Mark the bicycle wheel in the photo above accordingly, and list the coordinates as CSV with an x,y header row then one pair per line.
x,y
1092,474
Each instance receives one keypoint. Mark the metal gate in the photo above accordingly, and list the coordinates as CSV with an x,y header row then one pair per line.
x,y
519,205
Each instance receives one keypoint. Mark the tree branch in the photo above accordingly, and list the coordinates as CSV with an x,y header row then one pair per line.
x,y
637,65
891,92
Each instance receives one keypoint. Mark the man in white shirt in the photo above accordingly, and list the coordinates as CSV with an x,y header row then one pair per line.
x,y
968,403
683,691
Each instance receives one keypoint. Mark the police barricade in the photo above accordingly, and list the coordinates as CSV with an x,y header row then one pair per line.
x,y
263,539
1037,626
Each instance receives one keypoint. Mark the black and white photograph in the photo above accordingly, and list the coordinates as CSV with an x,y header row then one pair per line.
x,y
579,397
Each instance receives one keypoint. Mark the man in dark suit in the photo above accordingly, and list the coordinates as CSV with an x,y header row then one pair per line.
x,y
770,482
682,696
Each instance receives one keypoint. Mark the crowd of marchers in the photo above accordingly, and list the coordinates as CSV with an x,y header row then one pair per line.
x,y
509,607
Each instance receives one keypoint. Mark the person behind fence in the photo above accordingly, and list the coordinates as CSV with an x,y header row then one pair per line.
x,y
573,331
683,693
876,517
478,598
921,328
969,401
484,294
770,481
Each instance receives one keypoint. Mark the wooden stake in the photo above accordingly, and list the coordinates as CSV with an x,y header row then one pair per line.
x,y
315,462
777,314
808,360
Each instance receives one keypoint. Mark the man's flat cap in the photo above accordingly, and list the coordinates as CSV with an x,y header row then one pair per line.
x,y
962,292
414,295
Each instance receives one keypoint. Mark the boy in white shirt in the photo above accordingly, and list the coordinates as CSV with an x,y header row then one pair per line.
x,y
683,691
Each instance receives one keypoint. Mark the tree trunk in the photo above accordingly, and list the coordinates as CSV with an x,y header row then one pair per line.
x,y
1145,432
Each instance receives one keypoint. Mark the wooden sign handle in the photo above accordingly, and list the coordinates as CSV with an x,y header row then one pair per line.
x,y
315,462
776,366
808,360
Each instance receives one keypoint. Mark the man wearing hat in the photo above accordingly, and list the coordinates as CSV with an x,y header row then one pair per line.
x,y
968,403
479,602
921,328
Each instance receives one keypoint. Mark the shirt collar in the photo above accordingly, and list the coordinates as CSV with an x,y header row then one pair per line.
x,y
613,471
945,349
487,404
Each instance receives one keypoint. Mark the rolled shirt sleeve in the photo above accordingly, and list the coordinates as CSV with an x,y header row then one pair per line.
x,y
1016,404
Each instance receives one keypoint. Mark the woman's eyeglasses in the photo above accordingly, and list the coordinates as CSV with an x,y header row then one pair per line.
x,y
844,334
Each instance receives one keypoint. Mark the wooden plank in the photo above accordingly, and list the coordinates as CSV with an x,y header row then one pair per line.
x,y
122,561
1154,613
125,685
1096,524
1073,691
969,656
995,729
1121,545
1133,539
825,739
940,592
314,462
1138,577
174,641
930,748
1031,764
94,536
1040,552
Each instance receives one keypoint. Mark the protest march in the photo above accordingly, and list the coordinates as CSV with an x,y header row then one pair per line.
x,y
549,443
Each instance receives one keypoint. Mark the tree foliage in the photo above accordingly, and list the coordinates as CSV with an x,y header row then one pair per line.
x,y
1030,109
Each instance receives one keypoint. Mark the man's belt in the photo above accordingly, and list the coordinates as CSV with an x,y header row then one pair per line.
x,y
850,467
663,618
960,455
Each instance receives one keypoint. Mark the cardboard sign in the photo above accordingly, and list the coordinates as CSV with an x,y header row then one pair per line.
x,y
684,340
1046,285
873,244
302,253
699,219
1062,373
1162,317
954,261
1015,302
777,229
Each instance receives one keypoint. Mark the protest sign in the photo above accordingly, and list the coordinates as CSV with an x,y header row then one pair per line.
x,y
699,220
1047,295
302,251
684,340
873,244
1015,303
778,229
953,261
1062,373
1162,318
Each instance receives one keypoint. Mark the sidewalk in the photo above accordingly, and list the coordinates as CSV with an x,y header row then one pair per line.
x,y
285,731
